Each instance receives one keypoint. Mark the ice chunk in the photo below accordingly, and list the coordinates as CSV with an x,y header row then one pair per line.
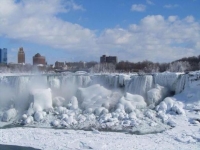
x,y
38,116
156,95
106,105
42,99
30,110
131,102
162,107
55,123
169,102
9,114
150,114
28,120
132,115
98,111
24,116
171,122
88,111
73,104
58,101
61,110
93,96
177,108
123,78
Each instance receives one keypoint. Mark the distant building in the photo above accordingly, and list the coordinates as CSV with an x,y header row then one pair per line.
x,y
108,59
75,65
21,56
59,64
39,60
3,56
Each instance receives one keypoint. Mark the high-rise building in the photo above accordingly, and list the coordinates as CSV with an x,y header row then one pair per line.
x,y
21,55
108,59
39,60
3,55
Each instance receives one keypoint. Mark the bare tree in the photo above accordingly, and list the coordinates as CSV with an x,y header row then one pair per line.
x,y
104,67
179,66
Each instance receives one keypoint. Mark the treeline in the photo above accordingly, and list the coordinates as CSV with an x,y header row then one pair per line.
x,y
194,62
181,65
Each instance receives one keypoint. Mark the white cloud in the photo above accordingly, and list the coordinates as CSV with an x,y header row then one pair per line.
x,y
169,6
36,21
155,38
149,2
74,6
189,19
172,18
138,7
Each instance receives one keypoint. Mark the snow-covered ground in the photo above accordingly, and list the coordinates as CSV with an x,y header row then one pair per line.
x,y
53,111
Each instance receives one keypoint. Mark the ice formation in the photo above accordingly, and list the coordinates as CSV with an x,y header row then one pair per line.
x,y
9,114
131,102
156,95
42,100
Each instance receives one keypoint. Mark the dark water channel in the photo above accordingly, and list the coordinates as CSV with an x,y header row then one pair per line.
x,y
13,147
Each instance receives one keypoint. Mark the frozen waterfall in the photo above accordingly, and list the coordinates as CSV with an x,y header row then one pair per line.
x,y
16,89
82,101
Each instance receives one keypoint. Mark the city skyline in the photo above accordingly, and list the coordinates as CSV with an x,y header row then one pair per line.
x,y
77,30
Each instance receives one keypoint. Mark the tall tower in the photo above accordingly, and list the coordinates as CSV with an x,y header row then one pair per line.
x,y
21,55
3,56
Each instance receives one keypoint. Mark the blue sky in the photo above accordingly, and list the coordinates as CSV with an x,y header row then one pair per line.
x,y
83,30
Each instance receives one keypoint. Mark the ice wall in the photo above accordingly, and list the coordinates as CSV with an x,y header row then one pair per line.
x,y
181,83
139,85
167,79
107,80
